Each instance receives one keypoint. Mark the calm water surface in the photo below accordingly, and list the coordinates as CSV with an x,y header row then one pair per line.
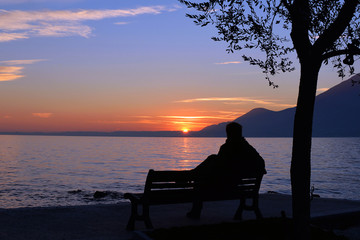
x,y
61,170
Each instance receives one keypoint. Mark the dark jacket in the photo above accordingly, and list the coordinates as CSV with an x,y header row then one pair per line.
x,y
236,159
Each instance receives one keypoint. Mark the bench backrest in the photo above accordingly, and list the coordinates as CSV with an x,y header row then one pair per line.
x,y
165,180
181,183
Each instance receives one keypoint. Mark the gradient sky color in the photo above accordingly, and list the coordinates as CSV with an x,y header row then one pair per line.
x,y
114,65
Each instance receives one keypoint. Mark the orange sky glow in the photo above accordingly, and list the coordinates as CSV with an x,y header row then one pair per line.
x,y
124,66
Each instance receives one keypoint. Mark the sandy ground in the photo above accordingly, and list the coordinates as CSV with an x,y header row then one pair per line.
x,y
109,221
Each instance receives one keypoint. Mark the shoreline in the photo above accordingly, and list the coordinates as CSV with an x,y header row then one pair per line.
x,y
108,221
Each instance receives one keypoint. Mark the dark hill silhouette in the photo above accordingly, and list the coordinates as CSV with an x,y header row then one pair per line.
x,y
336,115
337,110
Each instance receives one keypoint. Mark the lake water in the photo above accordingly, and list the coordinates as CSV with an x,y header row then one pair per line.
x,y
63,171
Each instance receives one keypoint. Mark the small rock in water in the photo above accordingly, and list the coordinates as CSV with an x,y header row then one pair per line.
x,y
75,191
100,194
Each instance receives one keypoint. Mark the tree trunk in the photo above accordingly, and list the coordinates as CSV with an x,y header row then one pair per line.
x,y
301,153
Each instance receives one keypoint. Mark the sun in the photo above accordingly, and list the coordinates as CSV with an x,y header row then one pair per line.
x,y
185,130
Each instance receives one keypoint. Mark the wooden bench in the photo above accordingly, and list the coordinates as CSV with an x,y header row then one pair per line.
x,y
169,187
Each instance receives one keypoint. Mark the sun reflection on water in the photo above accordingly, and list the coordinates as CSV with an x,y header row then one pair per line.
x,y
53,171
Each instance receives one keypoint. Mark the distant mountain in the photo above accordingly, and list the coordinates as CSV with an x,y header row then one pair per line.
x,y
337,114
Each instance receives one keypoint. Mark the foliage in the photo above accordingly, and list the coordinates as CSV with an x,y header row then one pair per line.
x,y
321,31
266,25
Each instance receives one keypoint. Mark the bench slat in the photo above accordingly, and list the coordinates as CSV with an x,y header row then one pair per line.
x,y
170,187
167,176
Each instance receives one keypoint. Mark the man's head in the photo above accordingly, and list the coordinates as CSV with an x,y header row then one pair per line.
x,y
233,130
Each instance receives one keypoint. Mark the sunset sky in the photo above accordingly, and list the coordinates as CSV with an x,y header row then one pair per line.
x,y
115,65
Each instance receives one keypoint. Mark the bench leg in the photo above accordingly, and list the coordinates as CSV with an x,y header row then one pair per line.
x,y
134,215
239,211
146,216
256,208
243,206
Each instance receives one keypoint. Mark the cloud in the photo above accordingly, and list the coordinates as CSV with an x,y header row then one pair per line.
x,y
42,115
10,73
10,70
320,90
143,121
22,62
6,37
234,100
196,121
168,119
17,24
222,99
225,63
193,117
121,23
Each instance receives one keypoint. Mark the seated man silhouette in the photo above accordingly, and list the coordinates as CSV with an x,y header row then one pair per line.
x,y
219,173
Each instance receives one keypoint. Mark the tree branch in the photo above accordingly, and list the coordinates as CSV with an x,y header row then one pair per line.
x,y
335,30
355,51
286,4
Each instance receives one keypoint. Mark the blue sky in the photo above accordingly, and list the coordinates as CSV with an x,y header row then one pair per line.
x,y
94,65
